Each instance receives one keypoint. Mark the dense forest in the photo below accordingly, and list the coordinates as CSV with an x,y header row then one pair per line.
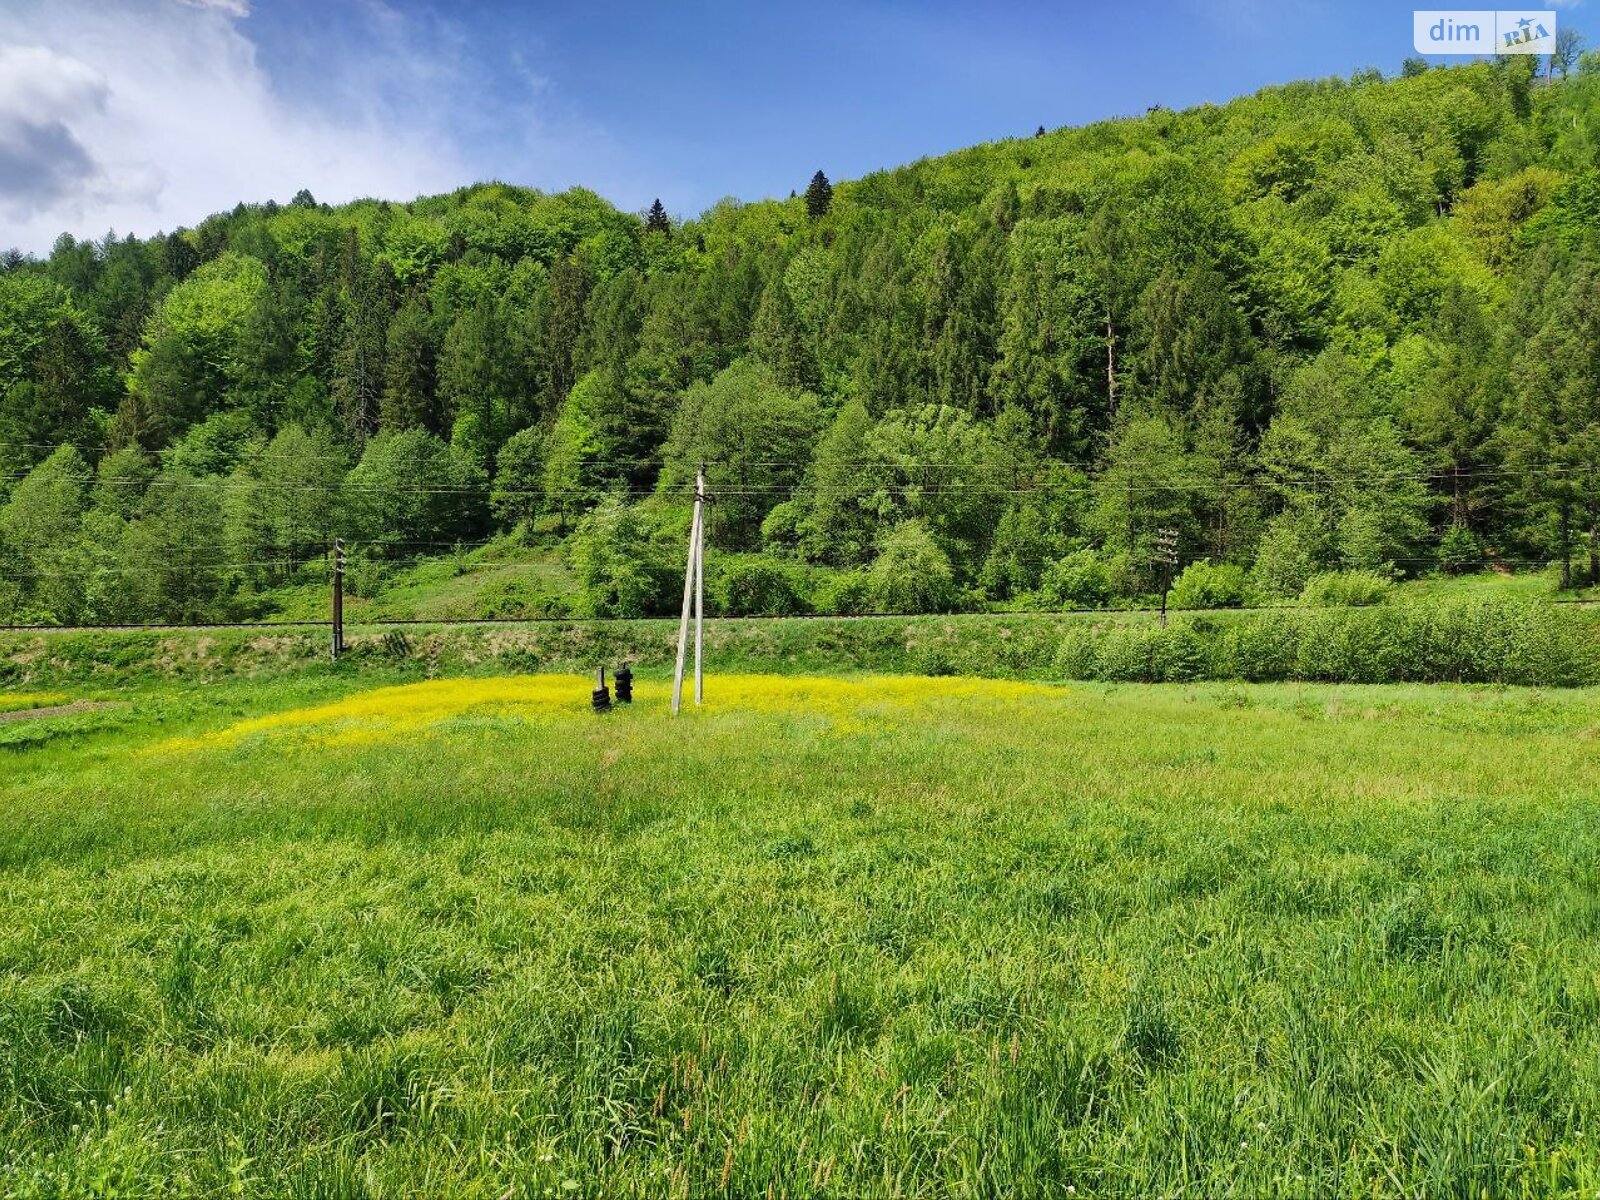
x,y
1344,325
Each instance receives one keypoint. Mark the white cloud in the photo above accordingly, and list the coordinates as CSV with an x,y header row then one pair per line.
x,y
234,8
42,162
151,116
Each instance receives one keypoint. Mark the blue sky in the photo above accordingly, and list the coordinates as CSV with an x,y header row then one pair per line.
x,y
146,114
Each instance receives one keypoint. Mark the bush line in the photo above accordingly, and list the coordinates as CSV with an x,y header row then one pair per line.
x,y
1477,641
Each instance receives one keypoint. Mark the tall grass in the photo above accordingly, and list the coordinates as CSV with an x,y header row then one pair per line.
x,y
1458,642
823,938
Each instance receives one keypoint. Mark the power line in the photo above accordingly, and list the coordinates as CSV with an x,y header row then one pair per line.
x,y
1141,485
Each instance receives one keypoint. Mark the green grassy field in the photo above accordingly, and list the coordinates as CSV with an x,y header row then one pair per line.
x,y
863,936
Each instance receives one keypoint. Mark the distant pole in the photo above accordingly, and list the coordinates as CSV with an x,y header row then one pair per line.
x,y
688,600
1167,549
338,598
699,582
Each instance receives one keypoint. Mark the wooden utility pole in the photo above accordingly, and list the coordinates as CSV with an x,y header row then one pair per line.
x,y
693,595
1167,552
338,598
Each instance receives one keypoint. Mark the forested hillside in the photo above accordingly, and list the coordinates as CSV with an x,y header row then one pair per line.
x,y
1336,326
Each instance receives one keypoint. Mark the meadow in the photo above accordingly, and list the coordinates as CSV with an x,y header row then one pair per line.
x,y
360,934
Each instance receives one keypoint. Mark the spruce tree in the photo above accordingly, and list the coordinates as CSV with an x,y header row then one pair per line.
x,y
471,370
656,221
409,370
776,338
819,196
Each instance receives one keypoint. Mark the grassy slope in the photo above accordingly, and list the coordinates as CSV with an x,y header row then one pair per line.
x,y
1009,646
1318,940
509,579
1560,646
503,579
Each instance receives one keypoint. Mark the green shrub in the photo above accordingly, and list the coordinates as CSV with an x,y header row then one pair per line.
x,y
1132,653
1075,656
911,573
1080,580
755,587
1204,585
845,594
1347,589
364,576
1127,654
1468,642
518,599
1260,649
1459,551
1353,647
1025,540
1286,556
618,564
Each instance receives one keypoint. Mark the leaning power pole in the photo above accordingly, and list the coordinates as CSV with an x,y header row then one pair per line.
x,y
693,595
338,598
1167,553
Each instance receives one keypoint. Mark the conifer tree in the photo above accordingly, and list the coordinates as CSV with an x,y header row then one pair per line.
x,y
819,196
776,338
409,366
656,220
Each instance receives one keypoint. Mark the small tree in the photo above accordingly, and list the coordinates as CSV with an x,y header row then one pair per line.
x,y
819,196
518,491
1079,580
656,219
756,586
1459,551
411,492
1289,553
1569,43
759,434
614,557
1207,585
172,556
39,526
572,447
1025,542
911,573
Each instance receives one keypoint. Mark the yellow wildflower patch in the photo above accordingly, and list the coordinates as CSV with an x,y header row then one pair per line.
x,y
19,701
852,703
389,713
